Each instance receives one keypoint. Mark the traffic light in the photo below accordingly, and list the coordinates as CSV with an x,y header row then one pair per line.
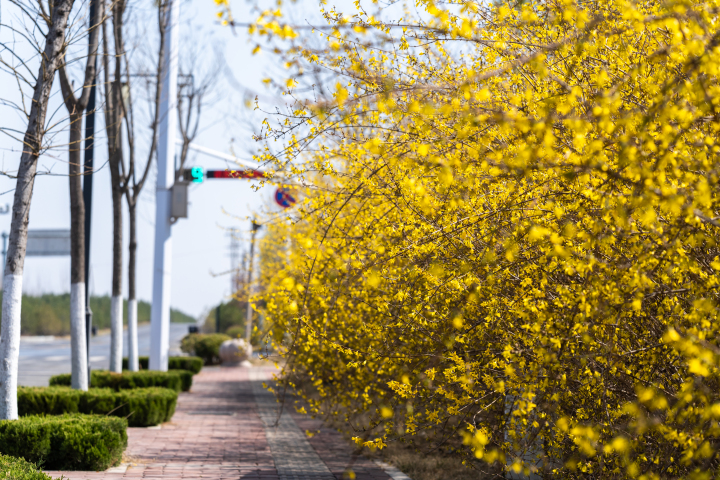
x,y
197,174
194,174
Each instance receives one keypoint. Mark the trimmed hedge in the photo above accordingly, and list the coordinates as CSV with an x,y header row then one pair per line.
x,y
192,364
65,442
178,380
205,346
12,468
143,407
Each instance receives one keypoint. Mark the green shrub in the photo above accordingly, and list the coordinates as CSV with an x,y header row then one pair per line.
x,y
236,331
12,468
193,364
205,346
174,379
187,344
233,314
143,407
186,377
65,442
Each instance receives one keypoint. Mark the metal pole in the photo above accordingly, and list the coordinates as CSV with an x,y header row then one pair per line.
x,y
248,317
87,194
160,313
217,319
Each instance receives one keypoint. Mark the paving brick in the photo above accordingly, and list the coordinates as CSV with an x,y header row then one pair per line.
x,y
225,429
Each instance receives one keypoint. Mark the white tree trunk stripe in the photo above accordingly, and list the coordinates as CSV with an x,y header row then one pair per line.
x,y
116,333
133,362
78,337
10,345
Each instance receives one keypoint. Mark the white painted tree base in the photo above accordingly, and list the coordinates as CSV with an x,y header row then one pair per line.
x,y
116,333
10,346
133,361
78,337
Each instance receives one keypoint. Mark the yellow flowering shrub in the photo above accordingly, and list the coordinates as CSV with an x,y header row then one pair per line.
x,y
508,230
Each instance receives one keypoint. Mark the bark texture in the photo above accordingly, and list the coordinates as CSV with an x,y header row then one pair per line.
x,y
116,321
132,299
32,143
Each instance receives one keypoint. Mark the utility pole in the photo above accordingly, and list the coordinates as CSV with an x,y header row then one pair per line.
x,y
87,191
160,313
234,261
248,319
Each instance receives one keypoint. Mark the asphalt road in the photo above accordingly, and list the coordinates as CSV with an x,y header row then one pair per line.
x,y
43,357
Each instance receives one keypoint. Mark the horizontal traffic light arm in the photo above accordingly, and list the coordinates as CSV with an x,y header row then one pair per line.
x,y
197,175
249,173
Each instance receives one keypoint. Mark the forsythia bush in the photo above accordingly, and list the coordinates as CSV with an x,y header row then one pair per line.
x,y
12,468
508,237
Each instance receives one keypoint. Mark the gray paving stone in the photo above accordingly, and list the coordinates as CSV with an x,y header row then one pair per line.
x,y
294,457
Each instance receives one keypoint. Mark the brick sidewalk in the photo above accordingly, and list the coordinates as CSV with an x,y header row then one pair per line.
x,y
223,429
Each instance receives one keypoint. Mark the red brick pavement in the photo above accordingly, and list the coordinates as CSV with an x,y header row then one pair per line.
x,y
216,433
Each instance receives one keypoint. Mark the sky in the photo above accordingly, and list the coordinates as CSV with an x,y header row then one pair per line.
x,y
201,242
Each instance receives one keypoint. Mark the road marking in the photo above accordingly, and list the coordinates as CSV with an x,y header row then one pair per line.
x,y
57,358
38,339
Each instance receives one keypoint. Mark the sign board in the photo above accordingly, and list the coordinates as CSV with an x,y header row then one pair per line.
x,y
48,243
179,200
285,197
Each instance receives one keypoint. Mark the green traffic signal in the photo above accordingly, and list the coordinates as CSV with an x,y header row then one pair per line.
x,y
197,174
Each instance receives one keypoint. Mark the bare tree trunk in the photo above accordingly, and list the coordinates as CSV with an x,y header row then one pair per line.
x,y
132,192
78,336
133,364
118,179
116,303
32,142
76,108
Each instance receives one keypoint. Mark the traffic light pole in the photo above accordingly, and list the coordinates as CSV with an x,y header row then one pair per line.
x,y
160,313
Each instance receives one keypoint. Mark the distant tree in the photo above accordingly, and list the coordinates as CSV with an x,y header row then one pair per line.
x,y
49,314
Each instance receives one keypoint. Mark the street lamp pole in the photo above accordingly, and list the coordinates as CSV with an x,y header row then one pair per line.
x,y
248,318
160,313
